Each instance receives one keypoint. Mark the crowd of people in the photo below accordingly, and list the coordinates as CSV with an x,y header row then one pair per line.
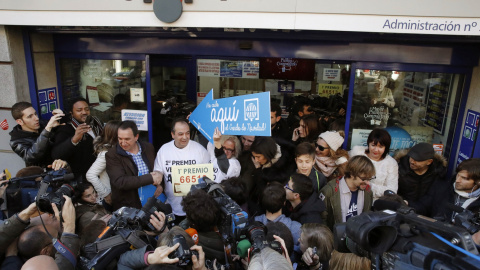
x,y
299,183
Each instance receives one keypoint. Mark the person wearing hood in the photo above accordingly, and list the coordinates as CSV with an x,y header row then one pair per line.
x,y
273,163
465,191
304,204
421,179
31,139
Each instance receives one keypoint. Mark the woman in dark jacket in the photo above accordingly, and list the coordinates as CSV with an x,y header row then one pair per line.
x,y
272,162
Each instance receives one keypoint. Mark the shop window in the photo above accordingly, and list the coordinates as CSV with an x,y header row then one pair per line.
x,y
285,78
413,107
108,85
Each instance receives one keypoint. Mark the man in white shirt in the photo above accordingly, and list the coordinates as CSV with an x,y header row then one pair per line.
x,y
180,151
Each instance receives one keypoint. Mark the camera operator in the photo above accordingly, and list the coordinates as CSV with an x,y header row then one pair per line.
x,y
202,213
351,195
15,226
31,139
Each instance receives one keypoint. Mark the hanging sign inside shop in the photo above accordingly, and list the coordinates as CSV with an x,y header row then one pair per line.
x,y
139,117
136,95
331,74
228,68
47,101
183,177
242,115
326,90
469,136
92,95
286,87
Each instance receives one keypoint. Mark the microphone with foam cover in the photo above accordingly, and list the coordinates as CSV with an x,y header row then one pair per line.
x,y
193,233
243,247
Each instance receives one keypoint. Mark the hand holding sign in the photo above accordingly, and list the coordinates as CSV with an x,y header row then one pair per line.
x,y
242,115
183,177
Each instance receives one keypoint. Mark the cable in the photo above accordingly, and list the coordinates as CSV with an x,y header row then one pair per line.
x,y
455,247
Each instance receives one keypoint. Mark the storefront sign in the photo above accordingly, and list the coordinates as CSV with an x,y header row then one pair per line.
x,y
469,136
241,115
227,68
136,95
208,68
47,101
183,177
331,74
326,90
360,136
200,97
139,117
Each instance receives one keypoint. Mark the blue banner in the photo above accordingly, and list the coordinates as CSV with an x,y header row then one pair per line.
x,y
242,115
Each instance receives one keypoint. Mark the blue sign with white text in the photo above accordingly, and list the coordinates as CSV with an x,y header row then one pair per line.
x,y
469,136
242,115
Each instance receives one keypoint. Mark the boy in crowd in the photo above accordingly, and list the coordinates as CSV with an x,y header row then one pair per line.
x,y
305,159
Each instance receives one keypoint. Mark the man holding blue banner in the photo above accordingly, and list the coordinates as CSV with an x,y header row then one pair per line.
x,y
180,151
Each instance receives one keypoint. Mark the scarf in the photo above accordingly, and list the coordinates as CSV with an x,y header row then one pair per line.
x,y
277,156
326,164
97,126
472,196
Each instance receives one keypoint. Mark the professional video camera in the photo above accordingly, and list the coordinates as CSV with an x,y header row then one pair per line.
x,y
257,240
466,219
124,229
405,240
234,220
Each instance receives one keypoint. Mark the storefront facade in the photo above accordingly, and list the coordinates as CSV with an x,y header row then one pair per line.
x,y
428,77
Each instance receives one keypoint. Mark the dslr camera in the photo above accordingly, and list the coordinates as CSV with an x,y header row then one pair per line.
x,y
183,252
45,199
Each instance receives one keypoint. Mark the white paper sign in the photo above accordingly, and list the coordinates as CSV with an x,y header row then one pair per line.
x,y
331,74
183,177
136,95
360,137
208,68
139,117
93,96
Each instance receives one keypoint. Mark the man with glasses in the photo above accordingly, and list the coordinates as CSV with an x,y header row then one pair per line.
x,y
303,204
351,195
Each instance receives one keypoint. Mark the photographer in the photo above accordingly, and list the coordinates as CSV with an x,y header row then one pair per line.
x,y
202,214
30,139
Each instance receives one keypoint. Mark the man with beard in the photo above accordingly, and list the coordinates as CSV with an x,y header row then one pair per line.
x,y
74,141
351,195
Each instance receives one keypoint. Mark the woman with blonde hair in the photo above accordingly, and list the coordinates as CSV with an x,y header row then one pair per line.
x,y
97,174
224,153
330,158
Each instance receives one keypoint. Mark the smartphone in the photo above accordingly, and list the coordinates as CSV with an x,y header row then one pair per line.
x,y
89,120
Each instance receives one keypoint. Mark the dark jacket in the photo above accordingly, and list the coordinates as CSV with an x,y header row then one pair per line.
x,y
318,180
212,245
11,229
34,148
308,211
333,205
123,174
84,214
450,198
281,130
72,242
80,157
423,192
278,170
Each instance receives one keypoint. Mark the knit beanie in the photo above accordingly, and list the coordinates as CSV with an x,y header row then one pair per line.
x,y
333,139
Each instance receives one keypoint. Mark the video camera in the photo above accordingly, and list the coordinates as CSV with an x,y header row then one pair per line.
x,y
405,240
50,179
466,219
234,220
123,230
257,240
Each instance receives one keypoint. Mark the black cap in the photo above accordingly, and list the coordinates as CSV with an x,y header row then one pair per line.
x,y
421,152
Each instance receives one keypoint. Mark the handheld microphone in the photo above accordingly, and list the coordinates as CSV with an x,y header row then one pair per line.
x,y
193,233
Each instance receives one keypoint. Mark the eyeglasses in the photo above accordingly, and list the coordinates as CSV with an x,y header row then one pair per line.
x,y
287,187
321,148
368,179
228,150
